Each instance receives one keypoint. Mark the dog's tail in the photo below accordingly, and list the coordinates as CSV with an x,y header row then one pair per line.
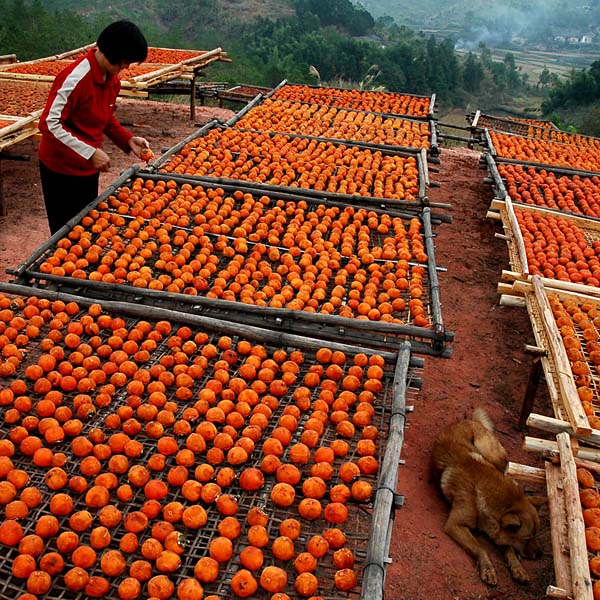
x,y
485,441
482,417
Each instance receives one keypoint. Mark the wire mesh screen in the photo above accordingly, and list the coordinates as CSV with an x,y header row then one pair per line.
x,y
130,429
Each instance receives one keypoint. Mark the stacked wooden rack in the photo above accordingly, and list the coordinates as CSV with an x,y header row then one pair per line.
x,y
546,188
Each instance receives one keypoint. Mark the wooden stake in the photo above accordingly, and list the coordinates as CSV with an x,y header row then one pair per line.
x,y
580,573
558,527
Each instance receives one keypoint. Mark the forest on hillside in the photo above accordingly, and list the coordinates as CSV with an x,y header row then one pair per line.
x,y
539,21
308,41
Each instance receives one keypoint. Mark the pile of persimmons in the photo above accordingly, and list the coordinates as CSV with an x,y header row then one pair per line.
x,y
287,116
19,99
243,247
297,162
381,102
44,67
125,442
564,137
590,502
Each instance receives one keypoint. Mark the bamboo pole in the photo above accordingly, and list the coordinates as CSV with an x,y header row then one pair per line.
x,y
383,507
21,124
434,286
489,143
17,137
558,593
498,182
517,234
580,573
432,107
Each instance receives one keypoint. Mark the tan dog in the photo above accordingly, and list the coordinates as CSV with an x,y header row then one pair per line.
x,y
468,463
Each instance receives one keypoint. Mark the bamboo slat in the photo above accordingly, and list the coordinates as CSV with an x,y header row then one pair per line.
x,y
550,447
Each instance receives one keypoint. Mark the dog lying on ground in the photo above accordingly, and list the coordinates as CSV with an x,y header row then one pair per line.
x,y
468,463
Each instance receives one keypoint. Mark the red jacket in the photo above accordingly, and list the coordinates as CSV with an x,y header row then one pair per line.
x,y
79,111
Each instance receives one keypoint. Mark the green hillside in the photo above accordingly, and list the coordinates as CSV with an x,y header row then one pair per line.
x,y
199,23
503,16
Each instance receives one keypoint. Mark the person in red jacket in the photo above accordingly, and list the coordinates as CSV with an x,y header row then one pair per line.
x,y
78,114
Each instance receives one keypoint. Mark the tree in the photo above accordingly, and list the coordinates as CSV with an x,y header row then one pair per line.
x,y
544,78
473,74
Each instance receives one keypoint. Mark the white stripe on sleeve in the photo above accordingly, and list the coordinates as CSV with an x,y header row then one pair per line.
x,y
54,115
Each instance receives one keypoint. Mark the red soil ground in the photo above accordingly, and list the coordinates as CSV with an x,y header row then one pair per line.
x,y
488,366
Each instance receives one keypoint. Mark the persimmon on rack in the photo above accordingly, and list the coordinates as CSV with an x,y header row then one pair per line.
x,y
563,137
382,102
170,56
43,67
590,501
584,158
170,431
51,68
578,322
545,188
298,162
286,116
252,249
557,248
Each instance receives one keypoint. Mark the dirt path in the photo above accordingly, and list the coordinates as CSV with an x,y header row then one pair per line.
x,y
487,368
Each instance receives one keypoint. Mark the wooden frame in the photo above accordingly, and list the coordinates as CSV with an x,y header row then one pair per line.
x,y
430,113
428,340
565,399
516,245
21,129
370,524
569,549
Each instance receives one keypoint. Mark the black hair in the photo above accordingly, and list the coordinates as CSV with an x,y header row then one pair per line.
x,y
122,41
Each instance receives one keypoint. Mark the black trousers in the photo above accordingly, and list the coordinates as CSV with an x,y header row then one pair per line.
x,y
66,195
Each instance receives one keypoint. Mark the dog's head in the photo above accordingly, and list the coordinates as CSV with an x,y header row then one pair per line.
x,y
519,526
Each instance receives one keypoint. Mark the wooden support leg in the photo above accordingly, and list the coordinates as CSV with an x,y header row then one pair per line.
x,y
193,97
530,392
3,202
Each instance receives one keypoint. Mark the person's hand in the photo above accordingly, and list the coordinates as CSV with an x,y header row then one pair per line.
x,y
100,160
140,147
